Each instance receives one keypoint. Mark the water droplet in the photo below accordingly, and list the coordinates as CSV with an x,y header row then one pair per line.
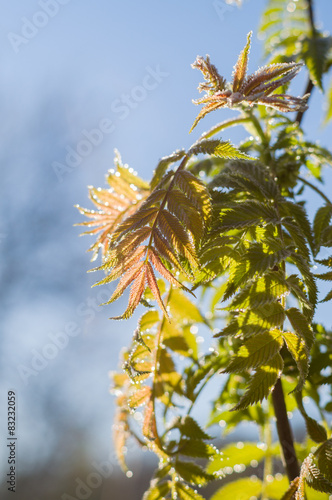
x,y
291,7
129,473
262,446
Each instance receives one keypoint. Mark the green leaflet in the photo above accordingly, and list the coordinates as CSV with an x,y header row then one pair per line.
x,y
325,276
248,213
178,203
183,309
192,473
256,351
298,238
162,166
148,320
196,448
300,353
324,458
190,428
328,114
249,177
157,492
315,51
261,383
316,431
255,261
308,278
300,325
317,480
240,454
327,297
215,147
321,221
197,373
261,291
186,493
175,339
242,489
196,191
276,488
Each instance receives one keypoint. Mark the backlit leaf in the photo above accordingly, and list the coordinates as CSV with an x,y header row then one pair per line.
x,y
192,473
140,397
241,454
261,383
186,493
256,351
240,68
241,489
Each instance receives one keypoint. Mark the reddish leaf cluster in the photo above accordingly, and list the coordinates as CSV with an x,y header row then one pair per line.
x,y
257,88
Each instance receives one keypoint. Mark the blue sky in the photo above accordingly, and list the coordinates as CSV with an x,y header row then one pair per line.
x,y
67,69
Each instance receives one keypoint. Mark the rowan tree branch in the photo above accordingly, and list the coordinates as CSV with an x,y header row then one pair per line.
x,y
285,434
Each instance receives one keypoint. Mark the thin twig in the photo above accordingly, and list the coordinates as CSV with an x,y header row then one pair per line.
x,y
311,16
312,186
310,85
308,90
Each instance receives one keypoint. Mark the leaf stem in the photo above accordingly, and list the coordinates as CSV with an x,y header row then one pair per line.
x,y
156,367
258,128
312,186
163,203
221,126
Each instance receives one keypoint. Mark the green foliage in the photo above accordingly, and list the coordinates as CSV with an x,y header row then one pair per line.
x,y
221,248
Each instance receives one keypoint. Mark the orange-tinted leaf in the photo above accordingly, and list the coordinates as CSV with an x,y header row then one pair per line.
x,y
149,423
152,282
125,281
161,269
140,397
240,68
